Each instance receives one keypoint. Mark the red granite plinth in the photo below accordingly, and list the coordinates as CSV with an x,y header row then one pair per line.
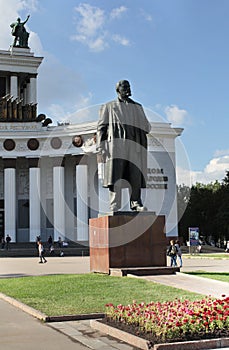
x,y
123,241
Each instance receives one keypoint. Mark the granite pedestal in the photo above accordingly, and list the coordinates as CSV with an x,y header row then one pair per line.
x,y
127,240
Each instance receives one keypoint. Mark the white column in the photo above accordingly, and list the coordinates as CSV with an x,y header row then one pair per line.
x,y
14,86
82,202
58,202
103,193
34,204
33,90
10,202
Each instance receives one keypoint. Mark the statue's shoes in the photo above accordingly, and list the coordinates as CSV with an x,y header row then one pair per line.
x,y
114,209
139,208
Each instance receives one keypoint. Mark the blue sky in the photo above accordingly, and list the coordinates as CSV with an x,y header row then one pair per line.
x,y
174,53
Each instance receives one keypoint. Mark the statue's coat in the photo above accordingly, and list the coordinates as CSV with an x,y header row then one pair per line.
x,y
121,134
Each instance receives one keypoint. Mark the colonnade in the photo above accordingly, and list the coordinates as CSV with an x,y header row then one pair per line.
x,y
27,92
59,204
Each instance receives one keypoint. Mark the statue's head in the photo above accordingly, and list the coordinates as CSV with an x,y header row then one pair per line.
x,y
19,19
123,89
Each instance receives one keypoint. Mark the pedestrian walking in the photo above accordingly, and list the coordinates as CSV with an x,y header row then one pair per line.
x,y
38,238
227,247
41,251
8,240
179,252
60,245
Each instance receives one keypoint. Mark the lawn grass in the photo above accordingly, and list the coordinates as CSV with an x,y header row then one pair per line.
x,y
223,276
87,293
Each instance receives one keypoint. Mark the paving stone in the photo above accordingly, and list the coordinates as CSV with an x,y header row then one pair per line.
x,y
83,333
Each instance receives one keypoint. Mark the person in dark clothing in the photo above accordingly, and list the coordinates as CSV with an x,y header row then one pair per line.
x,y
8,240
50,241
172,252
3,243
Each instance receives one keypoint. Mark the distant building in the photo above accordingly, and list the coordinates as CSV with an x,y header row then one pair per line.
x,y
50,183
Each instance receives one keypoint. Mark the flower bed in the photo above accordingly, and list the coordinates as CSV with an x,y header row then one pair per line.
x,y
172,321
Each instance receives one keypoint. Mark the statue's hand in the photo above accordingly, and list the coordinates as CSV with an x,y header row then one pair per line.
x,y
101,157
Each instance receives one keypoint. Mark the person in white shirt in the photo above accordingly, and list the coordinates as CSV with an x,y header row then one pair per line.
x,y
41,253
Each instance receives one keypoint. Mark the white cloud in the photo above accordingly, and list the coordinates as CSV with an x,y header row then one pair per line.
x,y
35,44
92,27
121,40
81,111
217,166
175,115
96,44
214,170
31,5
221,152
86,112
117,12
89,27
99,44
92,20
146,16
183,176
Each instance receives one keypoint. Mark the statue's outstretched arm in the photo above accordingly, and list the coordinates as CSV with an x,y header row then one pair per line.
x,y
26,20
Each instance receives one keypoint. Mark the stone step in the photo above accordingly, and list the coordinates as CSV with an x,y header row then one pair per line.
x,y
144,271
30,252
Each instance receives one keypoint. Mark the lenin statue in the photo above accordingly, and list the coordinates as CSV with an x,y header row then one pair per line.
x,y
122,146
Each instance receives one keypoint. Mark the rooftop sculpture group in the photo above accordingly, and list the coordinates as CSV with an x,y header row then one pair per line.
x,y
20,33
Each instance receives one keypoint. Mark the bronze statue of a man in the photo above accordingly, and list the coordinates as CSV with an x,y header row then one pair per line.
x,y
20,33
122,146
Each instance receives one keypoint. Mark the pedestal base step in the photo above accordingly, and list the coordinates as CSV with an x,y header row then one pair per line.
x,y
143,271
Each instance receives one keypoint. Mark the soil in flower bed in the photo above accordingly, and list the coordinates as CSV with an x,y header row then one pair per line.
x,y
134,330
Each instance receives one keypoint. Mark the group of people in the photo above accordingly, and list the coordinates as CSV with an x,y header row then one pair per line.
x,y
41,249
173,252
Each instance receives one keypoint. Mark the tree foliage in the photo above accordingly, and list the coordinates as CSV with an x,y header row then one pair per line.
x,y
207,207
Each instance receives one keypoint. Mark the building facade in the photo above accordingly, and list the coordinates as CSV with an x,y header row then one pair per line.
x,y
50,182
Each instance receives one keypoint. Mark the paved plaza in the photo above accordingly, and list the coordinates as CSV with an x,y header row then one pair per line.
x,y
18,267
19,330
13,267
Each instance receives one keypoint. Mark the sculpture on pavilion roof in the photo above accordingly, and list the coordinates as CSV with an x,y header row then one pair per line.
x,y
20,33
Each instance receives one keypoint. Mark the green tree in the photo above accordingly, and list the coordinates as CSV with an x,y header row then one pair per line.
x,y
222,217
201,210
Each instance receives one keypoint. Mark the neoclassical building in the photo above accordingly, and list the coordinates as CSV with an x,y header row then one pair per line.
x,y
50,182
